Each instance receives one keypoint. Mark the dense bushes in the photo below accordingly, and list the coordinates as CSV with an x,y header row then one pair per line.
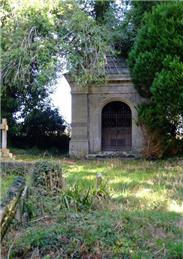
x,y
59,144
44,129
156,65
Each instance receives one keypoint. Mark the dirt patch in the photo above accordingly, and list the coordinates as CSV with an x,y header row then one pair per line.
x,y
180,224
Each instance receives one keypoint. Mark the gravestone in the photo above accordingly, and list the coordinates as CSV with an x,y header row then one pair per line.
x,y
4,151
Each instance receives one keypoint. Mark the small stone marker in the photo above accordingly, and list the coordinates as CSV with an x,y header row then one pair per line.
x,y
4,151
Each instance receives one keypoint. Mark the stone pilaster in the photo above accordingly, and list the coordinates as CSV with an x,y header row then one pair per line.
x,y
79,138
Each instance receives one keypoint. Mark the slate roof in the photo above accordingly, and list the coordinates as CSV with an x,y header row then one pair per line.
x,y
116,70
116,65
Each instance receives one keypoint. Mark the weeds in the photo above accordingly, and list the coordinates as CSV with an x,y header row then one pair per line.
x,y
135,213
79,199
48,175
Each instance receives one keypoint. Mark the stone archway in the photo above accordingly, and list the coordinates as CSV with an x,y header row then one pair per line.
x,y
116,127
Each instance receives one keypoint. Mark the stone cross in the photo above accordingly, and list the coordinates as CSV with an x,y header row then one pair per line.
x,y
4,129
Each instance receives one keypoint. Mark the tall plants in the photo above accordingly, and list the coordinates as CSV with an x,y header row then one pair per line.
x,y
156,65
38,40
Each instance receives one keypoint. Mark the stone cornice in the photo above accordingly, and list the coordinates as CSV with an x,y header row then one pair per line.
x,y
111,80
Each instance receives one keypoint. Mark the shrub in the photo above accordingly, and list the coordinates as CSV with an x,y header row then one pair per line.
x,y
156,65
76,198
58,144
48,175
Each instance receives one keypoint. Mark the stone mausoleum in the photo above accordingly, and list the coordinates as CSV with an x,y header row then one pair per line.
x,y
104,118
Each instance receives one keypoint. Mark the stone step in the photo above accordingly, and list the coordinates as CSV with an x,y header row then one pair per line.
x,y
5,153
114,154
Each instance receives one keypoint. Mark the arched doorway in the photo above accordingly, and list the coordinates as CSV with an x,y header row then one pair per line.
x,y
116,127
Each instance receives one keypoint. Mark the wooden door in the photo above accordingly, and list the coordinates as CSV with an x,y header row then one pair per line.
x,y
116,127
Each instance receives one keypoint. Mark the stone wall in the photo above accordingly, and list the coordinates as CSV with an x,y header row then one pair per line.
x,y
79,140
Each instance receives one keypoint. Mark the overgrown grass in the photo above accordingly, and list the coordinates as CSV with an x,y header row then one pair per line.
x,y
141,184
6,181
141,218
34,154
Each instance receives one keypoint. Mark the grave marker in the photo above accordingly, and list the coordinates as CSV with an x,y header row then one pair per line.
x,y
4,151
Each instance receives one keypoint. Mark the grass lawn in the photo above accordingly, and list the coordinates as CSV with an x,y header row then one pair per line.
x,y
6,181
138,215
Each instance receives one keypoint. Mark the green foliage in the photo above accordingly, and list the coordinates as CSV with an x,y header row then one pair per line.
x,y
156,65
175,249
44,129
137,12
101,7
48,175
76,198
159,38
9,172
43,123
6,182
39,39
28,50
84,47
127,28
143,217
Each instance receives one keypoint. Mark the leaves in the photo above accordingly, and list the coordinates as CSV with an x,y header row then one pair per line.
x,y
38,40
48,177
156,64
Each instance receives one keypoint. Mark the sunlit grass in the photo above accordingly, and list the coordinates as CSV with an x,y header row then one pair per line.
x,y
142,218
5,183
150,185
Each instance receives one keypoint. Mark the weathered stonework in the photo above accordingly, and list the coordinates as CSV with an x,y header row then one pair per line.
x,y
87,105
87,109
4,151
